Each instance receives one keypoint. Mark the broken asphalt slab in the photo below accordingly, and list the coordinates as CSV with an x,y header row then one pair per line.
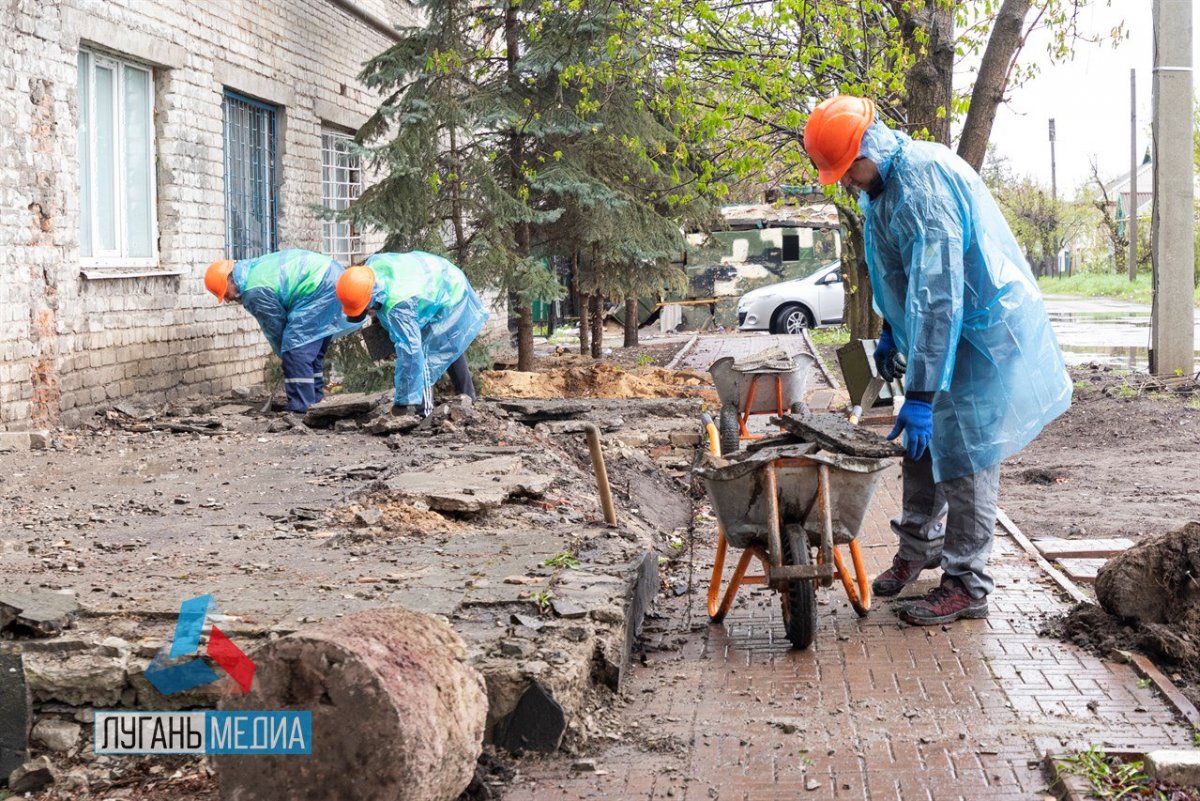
x,y
472,486
37,612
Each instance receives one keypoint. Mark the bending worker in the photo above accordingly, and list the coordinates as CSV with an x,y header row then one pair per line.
x,y
430,313
292,295
984,371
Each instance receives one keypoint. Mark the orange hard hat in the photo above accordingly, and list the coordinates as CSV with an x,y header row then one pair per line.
x,y
834,132
216,277
354,290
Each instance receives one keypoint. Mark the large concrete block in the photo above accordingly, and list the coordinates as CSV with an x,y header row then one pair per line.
x,y
1176,766
398,712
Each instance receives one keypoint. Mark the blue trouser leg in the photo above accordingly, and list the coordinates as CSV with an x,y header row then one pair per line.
x,y
318,370
298,372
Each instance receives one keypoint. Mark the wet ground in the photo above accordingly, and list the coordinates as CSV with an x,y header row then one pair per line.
x,y
875,710
1104,330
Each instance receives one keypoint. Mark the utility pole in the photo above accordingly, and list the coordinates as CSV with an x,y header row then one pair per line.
x,y
1131,214
1172,336
1054,197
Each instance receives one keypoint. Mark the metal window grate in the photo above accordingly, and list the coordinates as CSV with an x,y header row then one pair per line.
x,y
341,184
251,191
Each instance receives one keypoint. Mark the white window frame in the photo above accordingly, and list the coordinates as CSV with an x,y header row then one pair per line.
x,y
115,258
355,237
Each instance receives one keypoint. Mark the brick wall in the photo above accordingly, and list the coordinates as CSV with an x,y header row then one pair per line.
x,y
71,344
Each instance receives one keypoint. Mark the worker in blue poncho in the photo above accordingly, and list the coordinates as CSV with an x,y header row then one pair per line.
x,y
984,371
293,296
430,313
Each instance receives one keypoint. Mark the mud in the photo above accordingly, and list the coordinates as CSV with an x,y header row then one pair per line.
x,y
1123,461
1149,601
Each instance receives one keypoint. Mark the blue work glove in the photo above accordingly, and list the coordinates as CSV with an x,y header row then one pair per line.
x,y
916,420
885,351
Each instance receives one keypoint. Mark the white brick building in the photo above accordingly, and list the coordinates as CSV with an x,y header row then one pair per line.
x,y
139,141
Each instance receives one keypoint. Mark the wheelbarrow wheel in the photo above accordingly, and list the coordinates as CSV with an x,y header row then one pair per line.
x,y
730,429
800,596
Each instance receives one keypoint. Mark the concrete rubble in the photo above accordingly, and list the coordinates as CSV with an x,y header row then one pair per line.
x,y
485,515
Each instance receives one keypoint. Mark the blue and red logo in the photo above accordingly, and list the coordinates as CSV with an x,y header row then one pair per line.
x,y
171,676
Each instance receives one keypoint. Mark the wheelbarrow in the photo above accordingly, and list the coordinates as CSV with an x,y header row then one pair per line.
x,y
779,504
771,382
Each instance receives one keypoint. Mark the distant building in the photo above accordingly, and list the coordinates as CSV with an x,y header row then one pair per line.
x,y
141,140
1120,198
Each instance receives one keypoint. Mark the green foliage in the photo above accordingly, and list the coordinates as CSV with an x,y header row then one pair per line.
x,y
1100,285
837,335
513,131
542,598
1110,777
348,358
562,559
644,360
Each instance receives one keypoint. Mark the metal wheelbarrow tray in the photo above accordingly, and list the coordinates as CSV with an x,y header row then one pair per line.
x,y
778,502
745,389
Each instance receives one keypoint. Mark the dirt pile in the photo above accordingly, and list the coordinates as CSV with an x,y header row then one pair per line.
x,y
1149,600
597,380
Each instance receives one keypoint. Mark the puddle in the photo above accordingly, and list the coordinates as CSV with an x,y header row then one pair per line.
x,y
1116,337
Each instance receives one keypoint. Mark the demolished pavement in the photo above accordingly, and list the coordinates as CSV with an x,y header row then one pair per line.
x,y
488,516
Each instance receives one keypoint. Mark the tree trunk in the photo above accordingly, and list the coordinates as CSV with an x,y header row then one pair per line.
x,y
524,337
858,313
597,324
929,83
585,323
631,321
512,54
992,80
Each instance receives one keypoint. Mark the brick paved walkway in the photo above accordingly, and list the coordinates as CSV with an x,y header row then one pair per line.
x,y
875,710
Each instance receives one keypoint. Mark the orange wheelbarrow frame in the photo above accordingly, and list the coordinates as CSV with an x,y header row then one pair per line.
x,y
775,574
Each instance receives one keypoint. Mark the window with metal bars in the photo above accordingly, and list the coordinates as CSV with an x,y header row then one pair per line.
x,y
251,177
341,184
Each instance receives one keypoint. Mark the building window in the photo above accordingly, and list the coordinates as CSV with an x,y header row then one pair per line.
x,y
251,191
341,184
116,161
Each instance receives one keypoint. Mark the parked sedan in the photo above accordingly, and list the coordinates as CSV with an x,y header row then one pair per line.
x,y
789,306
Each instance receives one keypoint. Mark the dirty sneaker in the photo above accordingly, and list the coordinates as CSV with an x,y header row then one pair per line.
x,y
946,602
902,573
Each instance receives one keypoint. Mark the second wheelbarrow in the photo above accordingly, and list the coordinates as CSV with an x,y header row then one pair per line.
x,y
770,382
777,505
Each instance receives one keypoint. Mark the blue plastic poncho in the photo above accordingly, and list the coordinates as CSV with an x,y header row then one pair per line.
x,y
431,314
292,295
949,278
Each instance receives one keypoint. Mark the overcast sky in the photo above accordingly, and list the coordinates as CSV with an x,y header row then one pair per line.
x,y
1088,98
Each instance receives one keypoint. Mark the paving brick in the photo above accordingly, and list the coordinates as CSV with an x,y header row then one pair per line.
x,y
883,710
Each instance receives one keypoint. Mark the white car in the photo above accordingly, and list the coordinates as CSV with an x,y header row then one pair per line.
x,y
789,306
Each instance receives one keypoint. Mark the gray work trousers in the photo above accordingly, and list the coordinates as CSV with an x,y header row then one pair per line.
x,y
963,540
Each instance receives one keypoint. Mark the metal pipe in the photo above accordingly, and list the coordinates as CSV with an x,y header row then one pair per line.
x,y
374,20
593,438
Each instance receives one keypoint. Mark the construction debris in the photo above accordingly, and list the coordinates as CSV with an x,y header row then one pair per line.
x,y
834,433
471,487
347,405
37,613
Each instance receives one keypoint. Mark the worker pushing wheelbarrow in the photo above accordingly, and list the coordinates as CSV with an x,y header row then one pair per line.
x,y
782,502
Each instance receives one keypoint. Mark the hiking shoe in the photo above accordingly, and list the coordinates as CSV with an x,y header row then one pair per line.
x,y
902,573
946,602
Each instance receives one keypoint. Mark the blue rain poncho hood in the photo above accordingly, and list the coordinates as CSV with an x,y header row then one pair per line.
x,y
431,314
292,295
951,281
